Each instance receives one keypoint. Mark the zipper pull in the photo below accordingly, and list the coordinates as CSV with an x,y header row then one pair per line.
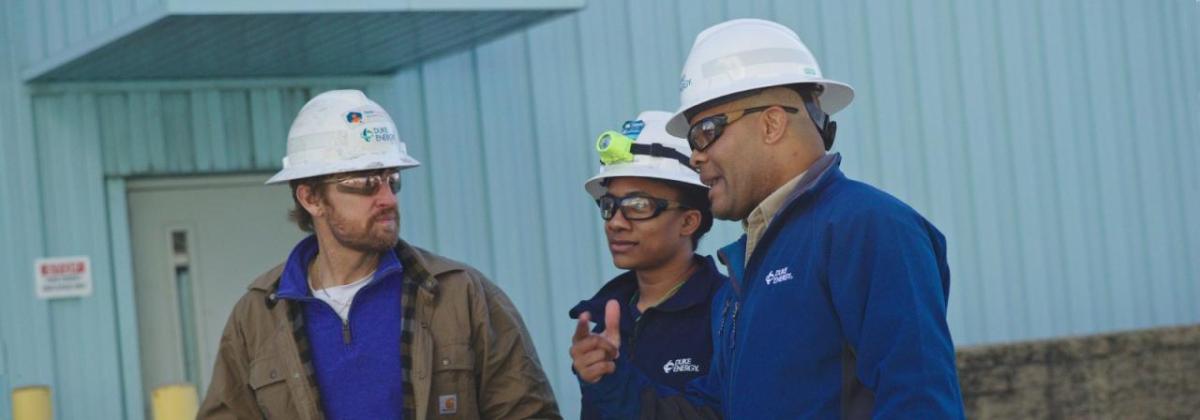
x,y
346,332
724,318
733,327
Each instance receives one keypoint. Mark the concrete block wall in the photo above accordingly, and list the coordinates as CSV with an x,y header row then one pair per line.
x,y
1144,374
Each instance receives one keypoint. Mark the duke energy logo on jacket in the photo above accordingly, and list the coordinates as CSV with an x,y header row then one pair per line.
x,y
681,365
778,276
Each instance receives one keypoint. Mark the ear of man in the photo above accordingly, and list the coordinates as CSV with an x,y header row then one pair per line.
x,y
310,199
691,222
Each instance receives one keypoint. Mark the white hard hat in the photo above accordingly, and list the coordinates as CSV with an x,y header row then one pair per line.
x,y
341,131
746,54
655,154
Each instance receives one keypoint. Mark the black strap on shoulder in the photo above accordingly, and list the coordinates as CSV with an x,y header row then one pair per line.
x,y
658,150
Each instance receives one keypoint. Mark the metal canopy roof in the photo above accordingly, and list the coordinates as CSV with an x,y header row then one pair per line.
x,y
190,46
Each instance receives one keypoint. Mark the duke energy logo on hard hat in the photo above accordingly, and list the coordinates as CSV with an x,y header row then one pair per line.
x,y
378,133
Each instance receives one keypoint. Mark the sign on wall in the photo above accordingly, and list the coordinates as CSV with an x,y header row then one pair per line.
x,y
62,277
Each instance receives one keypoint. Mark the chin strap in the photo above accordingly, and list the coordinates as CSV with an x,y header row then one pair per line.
x,y
827,128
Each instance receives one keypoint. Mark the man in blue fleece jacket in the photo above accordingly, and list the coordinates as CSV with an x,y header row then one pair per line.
x,y
836,305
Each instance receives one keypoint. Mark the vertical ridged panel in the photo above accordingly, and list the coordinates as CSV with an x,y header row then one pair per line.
x,y
456,162
564,160
125,296
114,132
978,102
1108,124
177,130
516,230
609,91
1152,163
217,130
1181,19
1076,266
404,100
51,28
940,121
84,330
1026,128
653,52
23,318
239,137
1053,143
120,10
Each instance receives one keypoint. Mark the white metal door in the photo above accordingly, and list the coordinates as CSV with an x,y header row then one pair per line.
x,y
197,243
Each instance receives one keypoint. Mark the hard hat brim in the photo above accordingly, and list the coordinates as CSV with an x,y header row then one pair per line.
x,y
362,163
837,96
647,169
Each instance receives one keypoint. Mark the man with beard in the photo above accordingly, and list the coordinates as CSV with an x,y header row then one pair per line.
x,y
836,303
359,324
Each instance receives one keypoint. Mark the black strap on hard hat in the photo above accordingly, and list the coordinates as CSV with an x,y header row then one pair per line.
x,y
826,128
658,150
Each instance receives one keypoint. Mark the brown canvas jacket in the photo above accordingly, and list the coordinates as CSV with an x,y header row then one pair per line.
x,y
465,351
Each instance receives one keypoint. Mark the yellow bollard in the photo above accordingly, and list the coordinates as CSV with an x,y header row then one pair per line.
x,y
175,402
32,403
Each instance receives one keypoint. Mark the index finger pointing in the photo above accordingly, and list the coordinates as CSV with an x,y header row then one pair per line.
x,y
581,327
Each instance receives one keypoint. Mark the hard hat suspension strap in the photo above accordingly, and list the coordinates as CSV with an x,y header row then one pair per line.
x,y
826,128
658,150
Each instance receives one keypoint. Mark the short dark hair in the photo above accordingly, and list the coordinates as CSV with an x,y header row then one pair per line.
x,y
695,197
298,213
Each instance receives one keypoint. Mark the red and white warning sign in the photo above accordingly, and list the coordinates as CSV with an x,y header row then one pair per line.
x,y
62,277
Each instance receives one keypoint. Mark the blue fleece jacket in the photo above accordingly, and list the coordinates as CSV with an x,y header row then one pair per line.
x,y
670,343
357,363
840,312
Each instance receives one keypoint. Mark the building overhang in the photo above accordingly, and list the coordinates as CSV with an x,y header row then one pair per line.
x,y
238,39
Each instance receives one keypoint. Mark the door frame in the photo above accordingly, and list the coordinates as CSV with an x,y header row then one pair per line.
x,y
117,191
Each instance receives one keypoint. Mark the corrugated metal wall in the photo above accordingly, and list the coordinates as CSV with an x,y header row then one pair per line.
x,y
1055,143
53,31
23,322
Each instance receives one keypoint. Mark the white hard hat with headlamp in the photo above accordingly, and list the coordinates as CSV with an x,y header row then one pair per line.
x,y
342,131
643,149
743,55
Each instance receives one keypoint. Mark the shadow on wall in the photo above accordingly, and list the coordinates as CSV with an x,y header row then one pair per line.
x,y
1153,374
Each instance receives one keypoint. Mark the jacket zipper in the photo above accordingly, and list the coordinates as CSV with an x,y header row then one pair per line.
x,y
637,329
346,337
346,322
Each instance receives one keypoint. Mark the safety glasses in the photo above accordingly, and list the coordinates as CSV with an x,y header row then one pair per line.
x,y
706,131
366,183
634,206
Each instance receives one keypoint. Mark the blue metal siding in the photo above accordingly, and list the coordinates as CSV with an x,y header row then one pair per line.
x,y
24,320
52,31
515,212
1054,143
84,331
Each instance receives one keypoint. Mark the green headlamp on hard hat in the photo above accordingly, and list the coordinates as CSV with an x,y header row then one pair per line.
x,y
618,147
614,147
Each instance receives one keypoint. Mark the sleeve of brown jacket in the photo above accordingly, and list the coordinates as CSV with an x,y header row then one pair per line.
x,y
512,382
229,395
